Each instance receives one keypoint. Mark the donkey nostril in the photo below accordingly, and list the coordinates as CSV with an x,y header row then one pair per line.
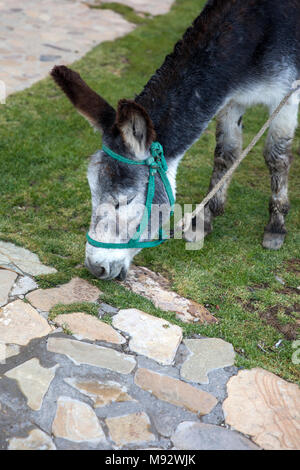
x,y
101,271
96,269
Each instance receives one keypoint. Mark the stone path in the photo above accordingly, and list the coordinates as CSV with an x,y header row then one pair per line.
x,y
35,35
79,382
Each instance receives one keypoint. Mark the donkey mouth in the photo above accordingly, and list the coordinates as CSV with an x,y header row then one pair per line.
x,y
106,272
122,275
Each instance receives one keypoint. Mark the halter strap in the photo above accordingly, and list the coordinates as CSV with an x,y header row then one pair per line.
x,y
156,163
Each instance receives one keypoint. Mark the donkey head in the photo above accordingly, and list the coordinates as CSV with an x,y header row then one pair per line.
x,y
118,190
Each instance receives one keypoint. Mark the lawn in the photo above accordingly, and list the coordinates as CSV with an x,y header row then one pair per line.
x,y
45,203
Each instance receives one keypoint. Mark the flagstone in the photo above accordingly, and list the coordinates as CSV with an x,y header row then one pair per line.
x,y
23,285
51,21
77,290
155,7
33,380
7,279
150,336
76,421
199,436
98,356
20,323
7,351
206,355
36,440
102,394
24,259
175,391
89,327
265,407
130,429
155,287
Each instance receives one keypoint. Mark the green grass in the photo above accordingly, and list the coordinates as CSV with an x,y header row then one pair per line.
x,y
45,202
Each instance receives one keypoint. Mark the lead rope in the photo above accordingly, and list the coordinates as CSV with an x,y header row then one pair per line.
x,y
184,223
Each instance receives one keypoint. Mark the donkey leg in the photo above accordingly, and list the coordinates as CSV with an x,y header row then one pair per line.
x,y
278,157
229,136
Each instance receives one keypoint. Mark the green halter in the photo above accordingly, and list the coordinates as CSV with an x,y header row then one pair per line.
x,y
156,163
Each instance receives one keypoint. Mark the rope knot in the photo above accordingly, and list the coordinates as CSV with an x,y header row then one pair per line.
x,y
157,153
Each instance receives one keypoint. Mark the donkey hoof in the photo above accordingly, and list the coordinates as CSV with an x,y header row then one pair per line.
x,y
273,241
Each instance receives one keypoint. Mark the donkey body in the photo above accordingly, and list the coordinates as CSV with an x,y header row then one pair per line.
x,y
237,53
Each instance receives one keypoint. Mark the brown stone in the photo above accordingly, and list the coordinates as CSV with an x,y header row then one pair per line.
x,y
36,440
175,391
20,323
155,287
76,421
86,326
77,290
130,429
102,394
265,407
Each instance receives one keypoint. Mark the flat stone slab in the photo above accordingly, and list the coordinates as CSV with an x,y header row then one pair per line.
x,y
37,35
265,407
155,287
23,259
76,421
130,429
77,290
175,391
7,351
151,336
23,285
85,326
155,7
98,356
20,323
33,380
7,279
102,394
206,355
36,440
200,436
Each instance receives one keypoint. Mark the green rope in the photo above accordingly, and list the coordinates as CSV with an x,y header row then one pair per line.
x,y
156,163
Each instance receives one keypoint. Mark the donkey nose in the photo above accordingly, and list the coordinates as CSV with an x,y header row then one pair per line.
x,y
99,270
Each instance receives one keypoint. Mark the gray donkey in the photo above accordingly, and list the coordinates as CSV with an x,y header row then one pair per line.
x,y
237,53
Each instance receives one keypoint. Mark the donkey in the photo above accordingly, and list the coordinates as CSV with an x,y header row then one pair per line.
x,y
237,53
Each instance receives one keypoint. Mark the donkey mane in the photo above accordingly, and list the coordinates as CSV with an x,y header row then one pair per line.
x,y
199,34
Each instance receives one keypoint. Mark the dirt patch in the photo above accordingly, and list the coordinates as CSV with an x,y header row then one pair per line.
x,y
293,266
289,291
290,330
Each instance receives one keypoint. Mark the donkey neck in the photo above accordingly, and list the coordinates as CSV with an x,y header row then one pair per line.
x,y
182,111
182,108
197,79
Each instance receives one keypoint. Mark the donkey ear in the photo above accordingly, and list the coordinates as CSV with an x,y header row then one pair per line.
x,y
87,102
135,126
